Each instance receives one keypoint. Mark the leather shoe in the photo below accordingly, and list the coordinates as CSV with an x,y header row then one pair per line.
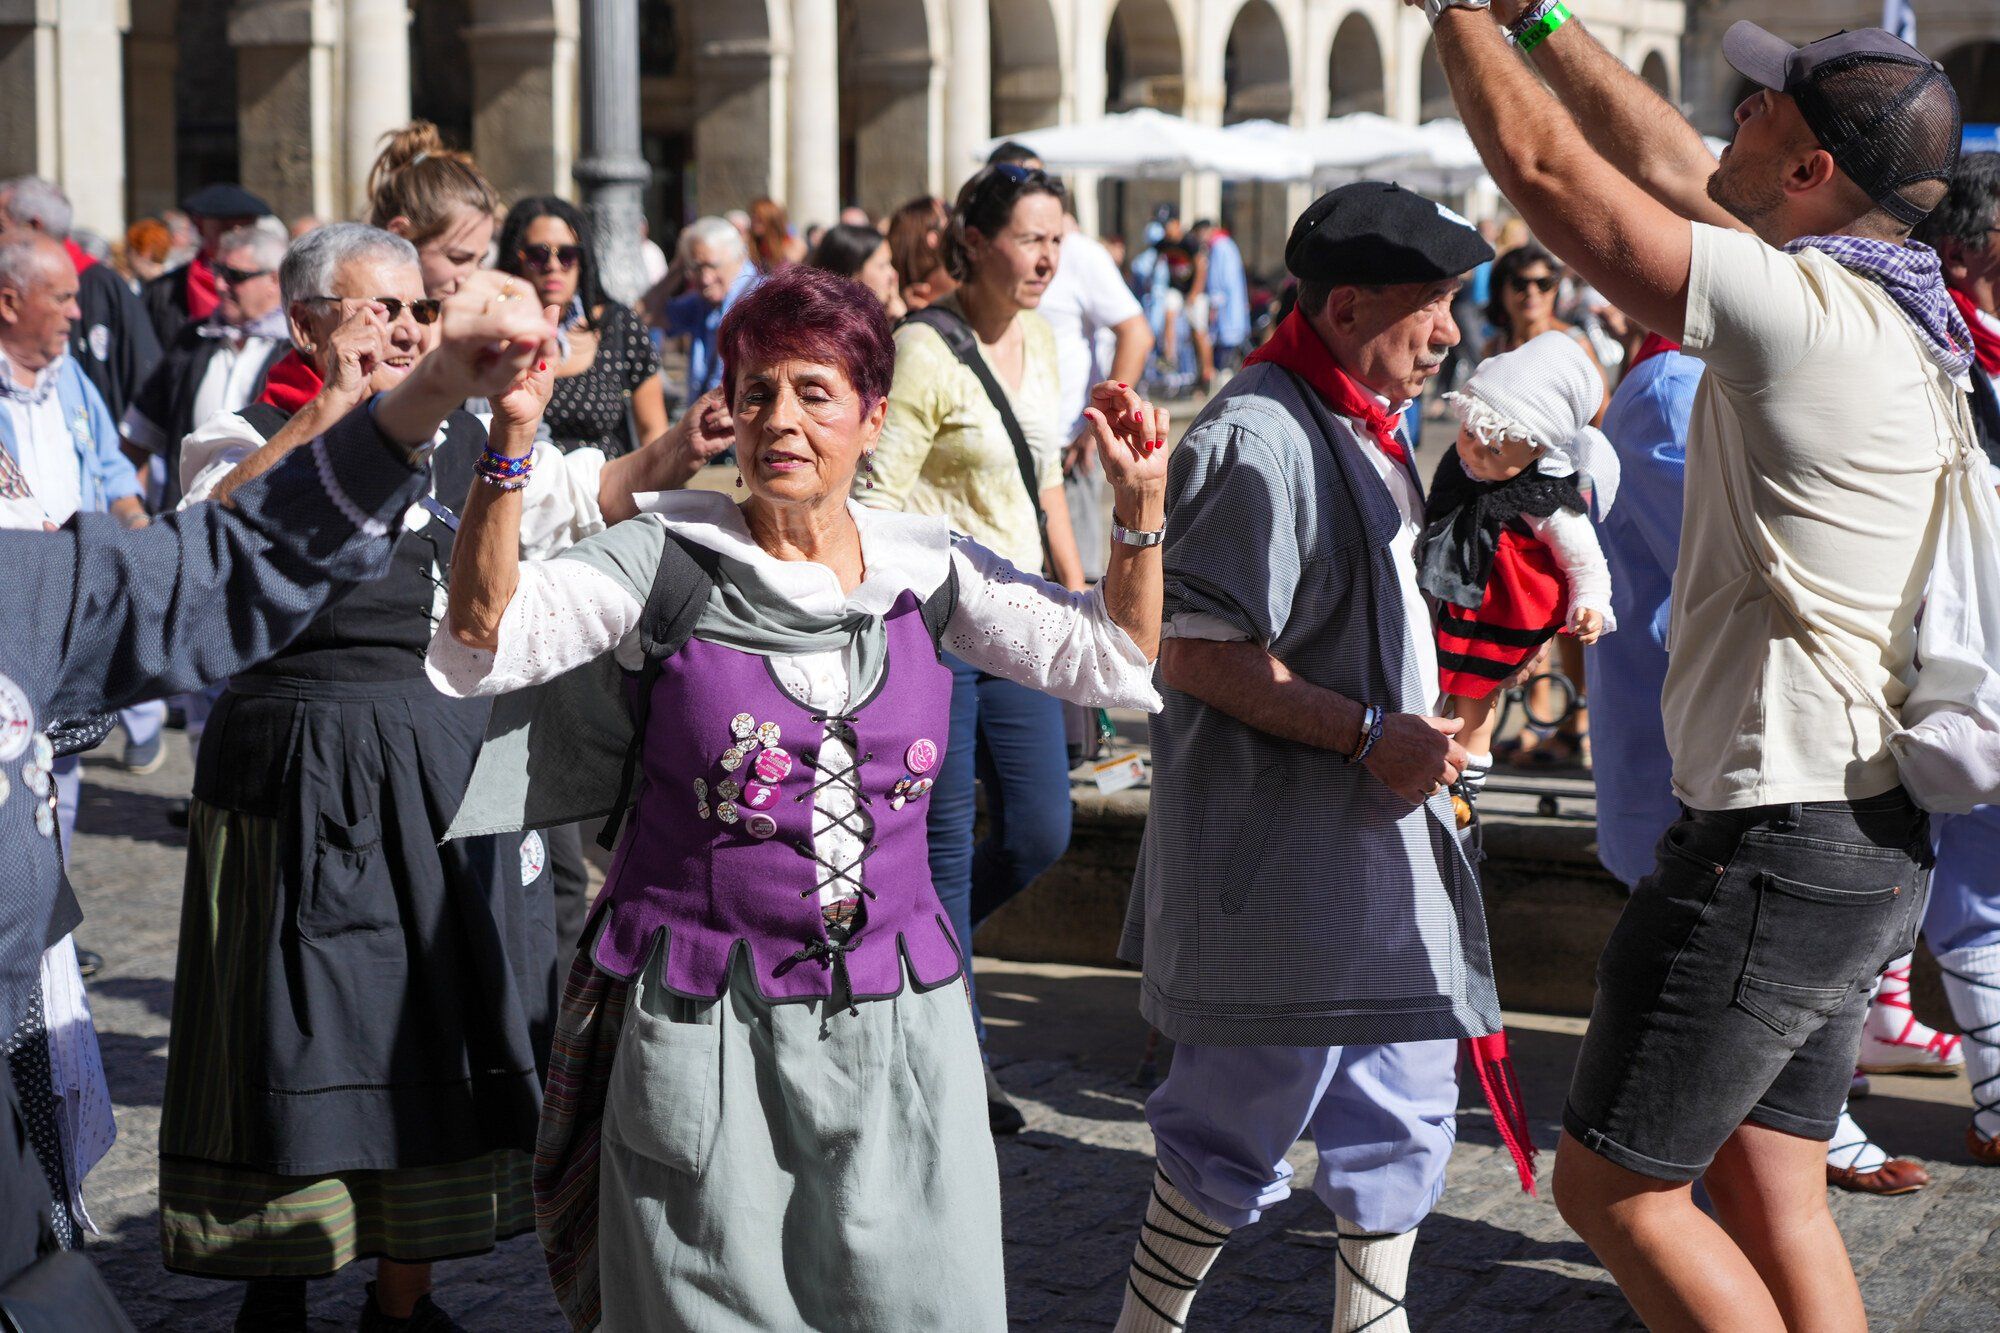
x,y
1002,1116
1898,1175
1984,1151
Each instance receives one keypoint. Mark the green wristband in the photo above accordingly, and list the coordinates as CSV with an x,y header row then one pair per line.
x,y
1538,32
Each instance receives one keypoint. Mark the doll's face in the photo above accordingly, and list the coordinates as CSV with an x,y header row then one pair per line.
x,y
1502,460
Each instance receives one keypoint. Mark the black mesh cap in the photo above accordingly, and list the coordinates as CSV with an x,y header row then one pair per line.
x,y
1882,109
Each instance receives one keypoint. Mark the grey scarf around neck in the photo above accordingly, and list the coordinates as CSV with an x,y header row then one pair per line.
x,y
747,613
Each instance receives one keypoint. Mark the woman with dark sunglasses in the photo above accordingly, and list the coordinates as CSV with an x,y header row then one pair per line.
x,y
612,366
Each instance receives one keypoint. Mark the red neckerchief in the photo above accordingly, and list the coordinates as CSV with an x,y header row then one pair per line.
x,y
1652,347
291,384
1985,338
76,255
1298,349
201,293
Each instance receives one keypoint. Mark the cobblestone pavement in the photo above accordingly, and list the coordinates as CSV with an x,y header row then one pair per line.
x,y
1068,1042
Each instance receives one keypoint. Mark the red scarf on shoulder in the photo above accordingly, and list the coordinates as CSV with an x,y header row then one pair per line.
x,y
1985,338
1653,345
291,384
201,294
1295,346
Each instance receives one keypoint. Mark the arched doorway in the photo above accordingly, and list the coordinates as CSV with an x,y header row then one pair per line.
x,y
886,66
1143,66
667,113
441,68
1653,69
1354,76
1974,70
1257,85
1433,89
1027,65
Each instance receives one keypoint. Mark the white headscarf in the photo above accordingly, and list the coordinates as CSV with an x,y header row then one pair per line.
x,y
1545,391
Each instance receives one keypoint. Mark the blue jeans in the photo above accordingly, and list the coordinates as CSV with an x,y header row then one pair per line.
x,y
1010,738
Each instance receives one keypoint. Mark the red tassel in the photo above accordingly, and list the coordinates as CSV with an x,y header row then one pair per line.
x,y
1503,1095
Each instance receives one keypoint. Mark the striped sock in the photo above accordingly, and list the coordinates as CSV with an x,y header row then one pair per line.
x,y
1368,1287
1177,1243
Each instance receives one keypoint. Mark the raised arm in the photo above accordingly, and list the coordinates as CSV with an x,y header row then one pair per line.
x,y
1626,119
1627,244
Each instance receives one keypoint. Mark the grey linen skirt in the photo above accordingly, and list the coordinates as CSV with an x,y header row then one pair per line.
x,y
797,1166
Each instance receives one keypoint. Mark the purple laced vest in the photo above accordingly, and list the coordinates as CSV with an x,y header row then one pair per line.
x,y
719,852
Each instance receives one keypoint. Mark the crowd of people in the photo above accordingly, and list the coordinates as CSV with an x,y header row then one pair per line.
x,y
396,513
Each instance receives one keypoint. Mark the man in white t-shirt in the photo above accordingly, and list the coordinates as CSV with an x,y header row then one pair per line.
x,y
1731,994
1101,334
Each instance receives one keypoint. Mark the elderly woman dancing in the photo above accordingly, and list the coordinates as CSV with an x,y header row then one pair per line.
x,y
768,943
362,1016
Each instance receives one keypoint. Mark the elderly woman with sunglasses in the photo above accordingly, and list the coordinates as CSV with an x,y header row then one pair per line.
x,y
359,1035
611,364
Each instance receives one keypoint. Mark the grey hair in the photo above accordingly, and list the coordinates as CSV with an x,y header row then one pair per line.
x,y
265,238
714,232
316,256
1969,207
35,201
26,260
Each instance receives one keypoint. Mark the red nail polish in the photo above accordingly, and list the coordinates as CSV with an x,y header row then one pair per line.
x,y
541,366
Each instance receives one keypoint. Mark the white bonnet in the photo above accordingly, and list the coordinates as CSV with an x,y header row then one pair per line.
x,y
1545,391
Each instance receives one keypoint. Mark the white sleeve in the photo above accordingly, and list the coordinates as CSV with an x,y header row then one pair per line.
x,y
559,504
1107,301
1202,625
1038,634
212,453
1573,541
564,613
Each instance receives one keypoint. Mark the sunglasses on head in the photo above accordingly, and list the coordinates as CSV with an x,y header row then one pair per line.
x,y
551,256
1542,284
236,277
1019,174
424,311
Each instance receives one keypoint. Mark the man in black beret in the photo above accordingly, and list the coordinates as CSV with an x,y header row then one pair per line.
x,y
1310,928
1826,447
187,294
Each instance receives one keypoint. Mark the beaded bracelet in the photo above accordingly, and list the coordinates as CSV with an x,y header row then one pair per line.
x,y
1535,27
1371,732
499,470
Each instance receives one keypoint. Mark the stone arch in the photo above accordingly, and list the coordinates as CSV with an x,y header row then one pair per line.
x,y
1653,69
441,68
712,104
1028,65
1257,66
1974,70
887,67
1433,89
1145,62
1356,79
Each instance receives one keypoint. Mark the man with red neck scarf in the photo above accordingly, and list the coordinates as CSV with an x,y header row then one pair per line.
x,y
187,294
1309,925
1965,231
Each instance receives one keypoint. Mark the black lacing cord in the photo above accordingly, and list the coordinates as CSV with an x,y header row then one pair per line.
x,y
828,953
856,822
1180,1281
1987,1034
1355,1273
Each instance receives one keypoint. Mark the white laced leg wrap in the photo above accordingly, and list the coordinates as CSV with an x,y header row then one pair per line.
x,y
1373,1274
1972,982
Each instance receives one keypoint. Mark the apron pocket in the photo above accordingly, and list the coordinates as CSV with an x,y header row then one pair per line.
x,y
1249,854
351,889
663,1101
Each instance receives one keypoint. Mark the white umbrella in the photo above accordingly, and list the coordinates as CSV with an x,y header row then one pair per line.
x,y
1343,146
1443,160
1151,145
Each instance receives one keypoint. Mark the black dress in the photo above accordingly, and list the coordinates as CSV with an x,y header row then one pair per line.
x,y
588,411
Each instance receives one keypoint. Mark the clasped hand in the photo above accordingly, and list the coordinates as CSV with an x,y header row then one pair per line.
x,y
1417,755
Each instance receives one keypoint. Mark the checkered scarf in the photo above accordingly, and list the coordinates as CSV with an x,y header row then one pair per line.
x,y
1911,275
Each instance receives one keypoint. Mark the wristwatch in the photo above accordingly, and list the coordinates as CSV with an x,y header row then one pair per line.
x,y
1433,8
1121,533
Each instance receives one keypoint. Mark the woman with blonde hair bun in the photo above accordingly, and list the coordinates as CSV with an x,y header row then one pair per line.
x,y
438,200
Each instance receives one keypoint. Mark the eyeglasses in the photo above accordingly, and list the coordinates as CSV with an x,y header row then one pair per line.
x,y
236,277
1547,284
550,256
424,311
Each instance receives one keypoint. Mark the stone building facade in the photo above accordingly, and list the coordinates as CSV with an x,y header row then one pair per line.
x,y
819,103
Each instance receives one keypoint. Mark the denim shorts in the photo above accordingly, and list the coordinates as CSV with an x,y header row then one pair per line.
x,y
1734,985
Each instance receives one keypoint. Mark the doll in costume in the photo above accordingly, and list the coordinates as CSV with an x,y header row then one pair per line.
x,y
1508,549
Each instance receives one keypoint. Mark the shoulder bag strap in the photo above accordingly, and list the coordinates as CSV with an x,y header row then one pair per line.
x,y
939,606
957,335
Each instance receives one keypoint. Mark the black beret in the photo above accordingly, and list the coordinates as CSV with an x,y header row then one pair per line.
x,y
224,201
1376,233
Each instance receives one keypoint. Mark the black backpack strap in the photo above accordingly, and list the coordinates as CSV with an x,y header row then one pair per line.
x,y
673,607
938,607
265,419
957,335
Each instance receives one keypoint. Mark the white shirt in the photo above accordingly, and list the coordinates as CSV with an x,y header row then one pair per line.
x,y
1087,296
565,613
230,376
47,458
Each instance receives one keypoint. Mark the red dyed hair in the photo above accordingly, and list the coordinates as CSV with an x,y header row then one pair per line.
x,y
809,314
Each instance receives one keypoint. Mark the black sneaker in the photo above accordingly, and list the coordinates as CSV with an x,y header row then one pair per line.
x,y
272,1305
1002,1116
427,1317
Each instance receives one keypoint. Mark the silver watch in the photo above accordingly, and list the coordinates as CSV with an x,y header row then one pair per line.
x,y
1121,533
1433,8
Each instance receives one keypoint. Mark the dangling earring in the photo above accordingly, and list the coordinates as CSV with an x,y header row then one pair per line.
x,y
739,479
868,470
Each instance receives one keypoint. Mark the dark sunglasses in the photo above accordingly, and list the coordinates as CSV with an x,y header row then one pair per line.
x,y
424,311
550,256
236,277
1547,284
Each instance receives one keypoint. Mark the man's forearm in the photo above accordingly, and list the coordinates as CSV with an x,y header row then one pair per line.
x,y
1128,358
1255,688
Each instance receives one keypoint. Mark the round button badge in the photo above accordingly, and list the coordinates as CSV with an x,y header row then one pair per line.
x,y
17,720
760,825
921,757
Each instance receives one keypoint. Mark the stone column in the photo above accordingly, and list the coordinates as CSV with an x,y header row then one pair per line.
x,y
152,54
612,172
62,102
814,177
524,95
286,102
375,81
968,90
